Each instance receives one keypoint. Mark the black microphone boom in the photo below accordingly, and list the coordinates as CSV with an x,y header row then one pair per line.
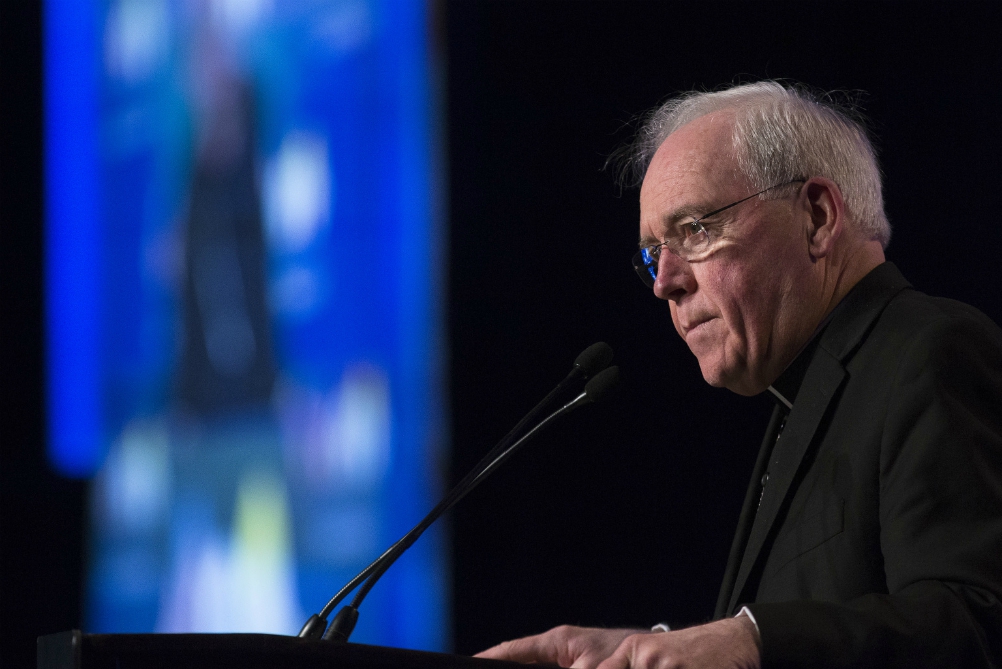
x,y
344,621
589,365
589,362
595,390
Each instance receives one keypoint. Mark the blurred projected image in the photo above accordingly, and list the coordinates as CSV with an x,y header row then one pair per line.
x,y
243,308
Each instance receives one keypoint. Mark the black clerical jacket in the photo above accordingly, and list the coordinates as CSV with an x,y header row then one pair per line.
x,y
876,539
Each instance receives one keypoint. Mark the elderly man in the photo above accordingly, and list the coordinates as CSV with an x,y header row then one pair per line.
x,y
871,533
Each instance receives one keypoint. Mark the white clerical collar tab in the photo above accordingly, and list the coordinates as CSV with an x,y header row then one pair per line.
x,y
779,396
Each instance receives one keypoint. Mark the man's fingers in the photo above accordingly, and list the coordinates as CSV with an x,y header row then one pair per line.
x,y
567,646
731,642
618,660
529,649
498,652
492,653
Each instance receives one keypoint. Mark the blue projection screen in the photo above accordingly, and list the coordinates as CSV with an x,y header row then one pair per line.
x,y
243,308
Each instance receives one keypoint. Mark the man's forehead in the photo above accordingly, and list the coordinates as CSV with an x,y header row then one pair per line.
x,y
700,148
691,170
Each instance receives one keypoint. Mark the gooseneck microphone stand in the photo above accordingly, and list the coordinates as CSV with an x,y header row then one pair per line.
x,y
590,364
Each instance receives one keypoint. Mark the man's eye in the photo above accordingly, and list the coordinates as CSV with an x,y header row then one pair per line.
x,y
691,228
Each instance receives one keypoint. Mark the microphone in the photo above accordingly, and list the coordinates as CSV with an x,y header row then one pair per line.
x,y
590,364
593,359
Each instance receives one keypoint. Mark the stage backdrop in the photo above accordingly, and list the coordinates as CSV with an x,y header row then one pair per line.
x,y
243,309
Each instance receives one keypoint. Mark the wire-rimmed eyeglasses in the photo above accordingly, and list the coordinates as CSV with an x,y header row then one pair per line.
x,y
690,241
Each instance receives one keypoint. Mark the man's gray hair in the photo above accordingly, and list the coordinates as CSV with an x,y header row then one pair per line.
x,y
781,133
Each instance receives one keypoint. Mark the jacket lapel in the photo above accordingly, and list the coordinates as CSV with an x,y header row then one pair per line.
x,y
852,320
747,514
821,382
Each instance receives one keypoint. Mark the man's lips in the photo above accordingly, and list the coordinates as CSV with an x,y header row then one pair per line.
x,y
695,323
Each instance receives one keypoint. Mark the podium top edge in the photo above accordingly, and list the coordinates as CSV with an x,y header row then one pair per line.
x,y
75,650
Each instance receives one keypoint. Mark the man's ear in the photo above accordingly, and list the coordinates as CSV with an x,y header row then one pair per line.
x,y
827,215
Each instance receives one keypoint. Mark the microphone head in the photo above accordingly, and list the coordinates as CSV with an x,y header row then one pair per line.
x,y
604,383
593,359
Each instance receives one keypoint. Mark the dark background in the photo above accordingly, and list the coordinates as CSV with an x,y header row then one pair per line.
x,y
621,515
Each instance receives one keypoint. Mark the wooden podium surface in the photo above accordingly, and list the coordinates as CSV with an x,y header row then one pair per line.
x,y
74,650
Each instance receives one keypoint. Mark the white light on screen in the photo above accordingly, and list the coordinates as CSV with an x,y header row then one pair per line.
x,y
135,486
136,39
240,580
298,191
239,16
358,428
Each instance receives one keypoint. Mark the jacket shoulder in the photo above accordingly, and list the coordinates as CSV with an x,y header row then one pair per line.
x,y
914,321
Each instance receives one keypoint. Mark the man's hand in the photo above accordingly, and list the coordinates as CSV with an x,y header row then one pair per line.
x,y
731,643
567,646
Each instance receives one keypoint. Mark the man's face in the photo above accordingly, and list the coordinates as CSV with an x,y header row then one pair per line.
x,y
747,308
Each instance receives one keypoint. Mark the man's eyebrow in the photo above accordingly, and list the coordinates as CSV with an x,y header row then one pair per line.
x,y
648,240
691,210
672,218
685,211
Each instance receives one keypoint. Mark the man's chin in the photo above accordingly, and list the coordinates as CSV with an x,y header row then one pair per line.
x,y
737,381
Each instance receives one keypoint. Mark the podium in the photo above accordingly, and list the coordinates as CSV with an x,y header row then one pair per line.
x,y
74,650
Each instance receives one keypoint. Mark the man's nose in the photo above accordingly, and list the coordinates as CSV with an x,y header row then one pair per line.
x,y
675,277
